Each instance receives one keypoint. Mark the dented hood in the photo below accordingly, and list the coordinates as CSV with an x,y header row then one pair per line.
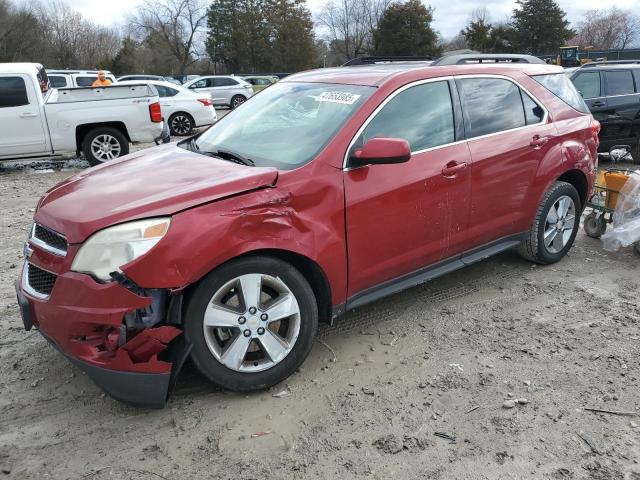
x,y
158,181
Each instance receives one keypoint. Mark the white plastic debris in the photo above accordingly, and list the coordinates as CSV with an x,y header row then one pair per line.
x,y
626,217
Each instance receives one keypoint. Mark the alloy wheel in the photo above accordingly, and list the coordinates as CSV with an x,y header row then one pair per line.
x,y
181,125
559,224
105,147
252,323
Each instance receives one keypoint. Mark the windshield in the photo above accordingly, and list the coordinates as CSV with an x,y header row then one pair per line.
x,y
286,125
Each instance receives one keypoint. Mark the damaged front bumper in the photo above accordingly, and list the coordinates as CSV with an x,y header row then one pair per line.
x,y
90,323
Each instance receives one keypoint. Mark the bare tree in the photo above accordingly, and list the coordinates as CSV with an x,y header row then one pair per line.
x,y
179,24
351,23
607,29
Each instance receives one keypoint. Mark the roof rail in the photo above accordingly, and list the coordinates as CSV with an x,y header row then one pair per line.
x,y
487,58
610,62
383,59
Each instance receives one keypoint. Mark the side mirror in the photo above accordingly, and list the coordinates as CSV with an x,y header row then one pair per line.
x,y
382,151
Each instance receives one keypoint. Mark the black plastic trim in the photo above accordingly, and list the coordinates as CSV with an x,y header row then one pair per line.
x,y
25,308
426,274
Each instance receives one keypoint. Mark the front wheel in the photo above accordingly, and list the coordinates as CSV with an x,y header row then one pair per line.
x,y
252,322
103,144
555,226
237,100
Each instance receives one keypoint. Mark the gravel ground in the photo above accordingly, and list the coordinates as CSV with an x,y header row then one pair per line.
x,y
482,374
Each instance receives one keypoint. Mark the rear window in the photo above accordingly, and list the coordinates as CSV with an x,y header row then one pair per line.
x,y
13,92
619,82
561,86
85,81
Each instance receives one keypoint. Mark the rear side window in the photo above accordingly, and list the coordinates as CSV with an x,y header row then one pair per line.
x,y
224,82
13,92
561,86
490,105
619,82
588,84
56,81
85,81
165,91
533,113
422,115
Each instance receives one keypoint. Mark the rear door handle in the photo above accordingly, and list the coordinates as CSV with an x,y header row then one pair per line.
x,y
598,103
29,115
539,141
452,168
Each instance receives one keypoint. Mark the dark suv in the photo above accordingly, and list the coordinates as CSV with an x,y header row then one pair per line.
x,y
611,90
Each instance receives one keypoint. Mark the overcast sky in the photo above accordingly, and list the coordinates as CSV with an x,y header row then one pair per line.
x,y
450,16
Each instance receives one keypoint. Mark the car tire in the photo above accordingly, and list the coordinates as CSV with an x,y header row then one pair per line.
x,y
181,124
236,101
555,225
224,328
595,225
103,144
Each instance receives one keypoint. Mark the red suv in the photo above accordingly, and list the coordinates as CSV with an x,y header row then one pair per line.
x,y
329,190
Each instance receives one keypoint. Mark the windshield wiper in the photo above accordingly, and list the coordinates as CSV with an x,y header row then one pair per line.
x,y
233,157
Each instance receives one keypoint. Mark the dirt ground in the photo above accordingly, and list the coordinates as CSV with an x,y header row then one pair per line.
x,y
413,386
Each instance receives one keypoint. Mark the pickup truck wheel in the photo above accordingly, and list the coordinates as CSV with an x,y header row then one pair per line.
x,y
236,101
555,226
251,322
103,144
181,124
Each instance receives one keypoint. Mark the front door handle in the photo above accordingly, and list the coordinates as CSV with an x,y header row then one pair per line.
x,y
598,103
29,115
538,141
453,168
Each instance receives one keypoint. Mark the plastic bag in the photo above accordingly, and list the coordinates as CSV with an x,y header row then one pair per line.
x,y
626,216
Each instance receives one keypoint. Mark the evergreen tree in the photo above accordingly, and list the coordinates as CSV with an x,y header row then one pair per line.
x,y
405,29
540,26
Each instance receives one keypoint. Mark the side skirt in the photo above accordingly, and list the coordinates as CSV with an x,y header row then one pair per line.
x,y
428,273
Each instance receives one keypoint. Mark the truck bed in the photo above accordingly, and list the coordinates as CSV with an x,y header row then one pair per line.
x,y
90,94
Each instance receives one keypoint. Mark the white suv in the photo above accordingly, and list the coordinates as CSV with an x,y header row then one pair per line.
x,y
224,90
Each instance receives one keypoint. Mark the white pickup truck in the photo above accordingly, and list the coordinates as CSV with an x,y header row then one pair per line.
x,y
37,121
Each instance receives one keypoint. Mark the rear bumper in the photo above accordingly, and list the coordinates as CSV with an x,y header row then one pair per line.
x,y
76,320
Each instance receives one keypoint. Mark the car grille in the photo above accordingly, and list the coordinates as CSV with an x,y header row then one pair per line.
x,y
40,281
52,240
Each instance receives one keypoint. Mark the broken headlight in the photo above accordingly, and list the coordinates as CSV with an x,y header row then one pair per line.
x,y
107,250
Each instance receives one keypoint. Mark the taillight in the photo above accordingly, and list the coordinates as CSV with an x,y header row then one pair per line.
x,y
155,113
595,130
205,101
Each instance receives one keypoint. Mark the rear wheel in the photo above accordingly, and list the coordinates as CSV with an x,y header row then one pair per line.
x,y
103,144
555,227
595,225
237,100
181,124
252,322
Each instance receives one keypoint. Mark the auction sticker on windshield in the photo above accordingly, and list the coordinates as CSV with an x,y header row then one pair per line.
x,y
338,97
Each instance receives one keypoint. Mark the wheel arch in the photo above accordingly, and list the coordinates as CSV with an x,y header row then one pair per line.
x,y
312,272
82,130
578,179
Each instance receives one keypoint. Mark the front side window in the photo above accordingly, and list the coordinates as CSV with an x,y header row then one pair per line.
x,y
562,87
588,84
619,82
490,105
13,92
422,115
285,126
204,83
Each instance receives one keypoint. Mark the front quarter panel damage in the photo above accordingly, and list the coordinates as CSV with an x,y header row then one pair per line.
x,y
302,214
